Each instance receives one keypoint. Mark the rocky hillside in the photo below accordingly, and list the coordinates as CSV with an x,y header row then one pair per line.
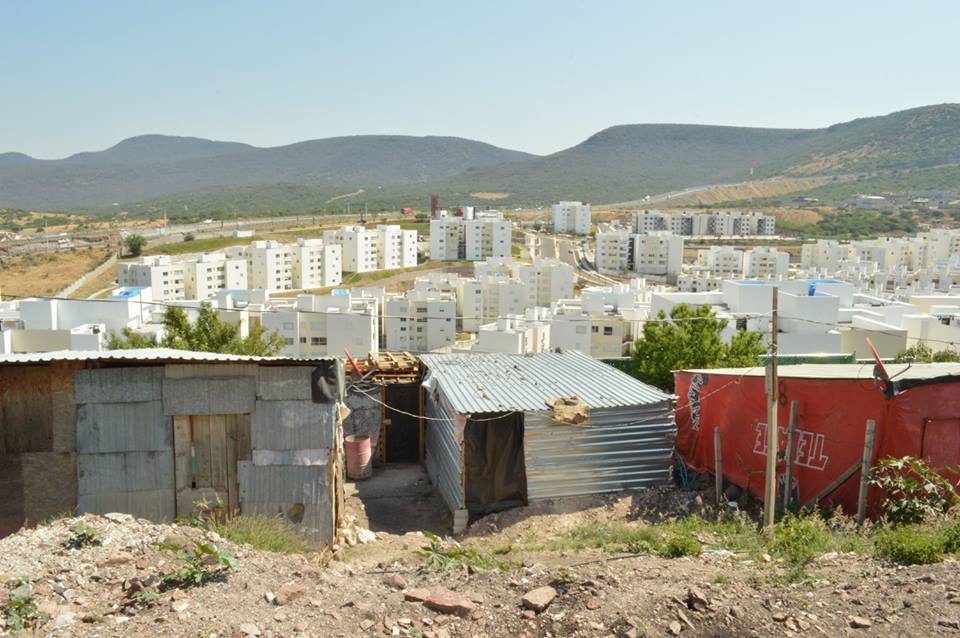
x,y
113,575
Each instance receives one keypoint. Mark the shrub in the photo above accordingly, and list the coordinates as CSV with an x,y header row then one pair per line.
x,y
202,563
636,539
798,539
19,612
445,557
269,533
950,532
83,535
681,545
913,491
909,545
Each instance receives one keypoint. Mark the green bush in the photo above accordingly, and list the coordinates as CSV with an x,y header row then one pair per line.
x,y
681,545
913,491
799,539
909,545
950,532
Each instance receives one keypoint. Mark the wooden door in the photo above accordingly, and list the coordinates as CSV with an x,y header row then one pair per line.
x,y
206,451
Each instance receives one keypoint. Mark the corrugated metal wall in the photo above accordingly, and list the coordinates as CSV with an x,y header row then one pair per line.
x,y
444,452
620,448
124,443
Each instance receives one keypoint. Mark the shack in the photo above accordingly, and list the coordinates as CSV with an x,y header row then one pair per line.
x,y
917,413
154,432
493,439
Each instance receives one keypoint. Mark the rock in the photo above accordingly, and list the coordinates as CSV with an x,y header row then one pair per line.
x,y
119,558
445,601
859,622
395,581
594,603
529,614
696,600
682,617
117,517
766,558
539,599
249,629
289,592
952,623
365,536
179,606
270,597
736,612
416,595
178,594
366,624
64,620
23,591
674,628
779,617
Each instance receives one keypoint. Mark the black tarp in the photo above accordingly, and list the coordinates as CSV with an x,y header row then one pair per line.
x,y
493,464
325,382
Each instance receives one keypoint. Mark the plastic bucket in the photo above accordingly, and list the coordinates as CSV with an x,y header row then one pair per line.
x,y
356,448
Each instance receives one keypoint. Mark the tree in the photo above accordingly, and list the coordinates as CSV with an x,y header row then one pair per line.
x,y
690,339
922,353
129,339
134,244
209,333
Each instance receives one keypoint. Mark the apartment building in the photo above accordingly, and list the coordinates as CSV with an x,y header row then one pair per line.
x,y
546,281
164,277
316,264
447,239
765,262
396,247
657,253
270,265
325,325
420,322
486,235
720,261
614,254
482,300
528,333
209,272
571,218
598,333
720,224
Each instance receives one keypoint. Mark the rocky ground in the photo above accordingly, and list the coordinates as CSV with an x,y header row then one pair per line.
x,y
386,588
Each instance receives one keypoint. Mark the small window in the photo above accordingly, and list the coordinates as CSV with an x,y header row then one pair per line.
x,y
594,329
608,331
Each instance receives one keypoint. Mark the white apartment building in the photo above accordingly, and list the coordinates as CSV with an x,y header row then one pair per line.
x,y
720,261
396,247
546,281
420,322
571,218
658,253
160,273
385,247
483,300
516,334
270,265
614,254
720,224
599,333
765,262
316,264
325,325
210,272
455,238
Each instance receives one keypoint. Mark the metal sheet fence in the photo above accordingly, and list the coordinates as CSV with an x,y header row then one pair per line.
x,y
299,493
443,453
620,448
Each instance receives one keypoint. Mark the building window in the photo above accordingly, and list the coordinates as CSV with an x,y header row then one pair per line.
x,y
608,331
594,329
303,339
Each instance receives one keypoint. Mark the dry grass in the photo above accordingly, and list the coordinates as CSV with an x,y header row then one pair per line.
x,y
47,273
490,196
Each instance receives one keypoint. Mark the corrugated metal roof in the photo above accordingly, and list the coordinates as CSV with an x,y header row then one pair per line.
x,y
493,382
845,371
142,354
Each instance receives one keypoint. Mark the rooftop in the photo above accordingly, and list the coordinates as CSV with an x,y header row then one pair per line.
x,y
144,354
493,382
855,371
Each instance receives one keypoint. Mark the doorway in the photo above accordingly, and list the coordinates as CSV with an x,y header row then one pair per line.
x,y
206,451
401,425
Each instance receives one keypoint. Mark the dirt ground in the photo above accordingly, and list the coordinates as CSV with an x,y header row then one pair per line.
x,y
47,273
375,589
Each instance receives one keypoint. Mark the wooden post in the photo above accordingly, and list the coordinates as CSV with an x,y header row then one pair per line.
x,y
791,438
422,442
718,466
865,465
770,487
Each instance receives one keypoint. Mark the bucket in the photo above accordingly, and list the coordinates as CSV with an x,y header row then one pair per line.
x,y
356,447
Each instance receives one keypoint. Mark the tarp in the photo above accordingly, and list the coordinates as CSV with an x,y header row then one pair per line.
x,y
923,420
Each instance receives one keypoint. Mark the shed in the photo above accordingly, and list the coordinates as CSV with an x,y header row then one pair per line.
x,y
919,416
153,432
492,440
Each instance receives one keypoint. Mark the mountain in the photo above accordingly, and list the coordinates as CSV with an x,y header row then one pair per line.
x,y
622,163
156,165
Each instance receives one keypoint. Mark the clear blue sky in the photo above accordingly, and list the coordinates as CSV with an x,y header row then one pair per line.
x,y
537,76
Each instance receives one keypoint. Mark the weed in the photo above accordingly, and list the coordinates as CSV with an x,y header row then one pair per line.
x,y
144,597
268,533
53,518
19,611
913,491
910,545
799,539
635,539
950,533
198,569
720,579
681,545
83,535
445,557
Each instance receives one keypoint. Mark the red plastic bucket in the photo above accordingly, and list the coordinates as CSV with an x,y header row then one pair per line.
x,y
356,447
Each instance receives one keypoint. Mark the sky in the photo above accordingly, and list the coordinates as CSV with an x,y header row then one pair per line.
x,y
527,75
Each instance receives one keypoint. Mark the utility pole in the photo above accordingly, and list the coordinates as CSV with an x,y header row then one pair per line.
x,y
773,399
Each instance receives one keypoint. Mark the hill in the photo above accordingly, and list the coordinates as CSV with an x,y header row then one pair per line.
x,y
155,165
622,163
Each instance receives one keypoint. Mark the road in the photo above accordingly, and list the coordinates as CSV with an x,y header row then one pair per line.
x,y
568,251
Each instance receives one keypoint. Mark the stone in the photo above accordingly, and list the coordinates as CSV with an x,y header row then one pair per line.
x,y
117,517
779,617
529,614
696,600
446,601
249,629
179,606
952,623
859,622
366,624
396,581
119,558
682,617
289,592
416,595
674,628
594,603
539,599
270,597
64,620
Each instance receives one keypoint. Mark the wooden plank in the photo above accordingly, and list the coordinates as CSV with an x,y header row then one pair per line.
x,y
201,450
218,454
233,488
840,480
244,448
181,455
865,465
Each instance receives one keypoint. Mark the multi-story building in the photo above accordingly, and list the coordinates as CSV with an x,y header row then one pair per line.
x,y
325,325
546,281
658,253
210,272
486,235
358,246
160,273
516,334
396,247
647,221
614,253
571,218
420,322
270,265
482,300
315,264
721,224
765,262
447,239
720,261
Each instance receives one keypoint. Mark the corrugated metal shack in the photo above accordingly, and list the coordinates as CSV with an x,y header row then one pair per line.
x,y
492,439
153,432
